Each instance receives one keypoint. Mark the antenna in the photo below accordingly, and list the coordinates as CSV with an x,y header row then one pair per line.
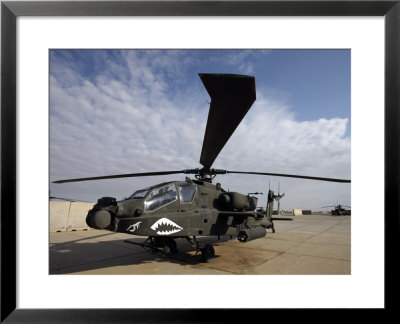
x,y
268,197
279,195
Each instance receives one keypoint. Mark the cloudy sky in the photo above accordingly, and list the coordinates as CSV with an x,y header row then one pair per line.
x,y
128,111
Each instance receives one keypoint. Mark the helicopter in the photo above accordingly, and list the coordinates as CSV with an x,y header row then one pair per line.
x,y
339,210
195,207
278,199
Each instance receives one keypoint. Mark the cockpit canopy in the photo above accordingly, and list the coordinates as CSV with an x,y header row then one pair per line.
x,y
139,194
160,195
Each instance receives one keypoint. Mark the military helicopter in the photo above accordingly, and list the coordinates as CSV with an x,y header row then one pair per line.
x,y
278,199
339,210
195,207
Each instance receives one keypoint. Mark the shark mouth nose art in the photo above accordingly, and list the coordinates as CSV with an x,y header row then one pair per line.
x,y
164,226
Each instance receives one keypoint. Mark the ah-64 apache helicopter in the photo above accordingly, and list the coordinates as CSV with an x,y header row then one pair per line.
x,y
339,210
195,207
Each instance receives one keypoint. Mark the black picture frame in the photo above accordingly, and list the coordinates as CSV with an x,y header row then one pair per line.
x,y
10,10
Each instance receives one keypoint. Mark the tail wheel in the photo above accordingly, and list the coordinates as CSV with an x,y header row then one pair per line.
x,y
207,252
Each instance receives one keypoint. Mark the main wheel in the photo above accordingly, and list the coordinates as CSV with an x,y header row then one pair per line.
x,y
170,245
165,245
207,252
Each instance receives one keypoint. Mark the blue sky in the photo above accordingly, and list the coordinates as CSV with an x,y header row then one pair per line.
x,y
125,111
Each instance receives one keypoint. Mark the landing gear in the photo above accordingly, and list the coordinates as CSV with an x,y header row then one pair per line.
x,y
167,245
207,251
158,245
271,226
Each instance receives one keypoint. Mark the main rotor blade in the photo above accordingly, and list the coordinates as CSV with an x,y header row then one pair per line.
x,y
129,175
231,97
293,176
68,199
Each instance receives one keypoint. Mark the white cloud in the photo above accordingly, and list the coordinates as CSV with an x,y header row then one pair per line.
x,y
141,122
246,68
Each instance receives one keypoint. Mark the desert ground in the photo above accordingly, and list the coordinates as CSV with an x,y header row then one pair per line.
x,y
307,244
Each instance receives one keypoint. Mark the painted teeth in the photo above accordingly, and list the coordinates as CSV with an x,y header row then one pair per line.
x,y
165,226
166,233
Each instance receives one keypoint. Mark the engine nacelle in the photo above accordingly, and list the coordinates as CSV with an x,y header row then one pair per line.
x,y
234,201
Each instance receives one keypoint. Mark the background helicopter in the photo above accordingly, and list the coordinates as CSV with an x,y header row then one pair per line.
x,y
339,210
186,209
278,199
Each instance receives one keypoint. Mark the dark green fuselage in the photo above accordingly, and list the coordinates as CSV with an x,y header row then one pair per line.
x,y
189,208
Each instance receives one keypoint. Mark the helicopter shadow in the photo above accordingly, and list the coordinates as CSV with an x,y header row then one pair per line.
x,y
100,254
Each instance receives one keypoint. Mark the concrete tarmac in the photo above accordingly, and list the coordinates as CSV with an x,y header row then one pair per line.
x,y
309,244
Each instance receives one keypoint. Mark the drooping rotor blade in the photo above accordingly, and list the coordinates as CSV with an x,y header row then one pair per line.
x,y
231,97
68,199
293,176
128,175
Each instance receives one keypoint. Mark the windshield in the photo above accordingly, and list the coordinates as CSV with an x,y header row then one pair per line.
x,y
160,197
186,192
139,193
